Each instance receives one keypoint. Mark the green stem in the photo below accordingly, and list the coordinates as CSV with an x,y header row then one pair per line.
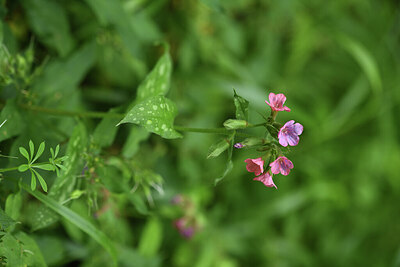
x,y
91,114
9,169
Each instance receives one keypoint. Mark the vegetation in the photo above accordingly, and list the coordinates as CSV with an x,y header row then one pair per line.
x,y
125,126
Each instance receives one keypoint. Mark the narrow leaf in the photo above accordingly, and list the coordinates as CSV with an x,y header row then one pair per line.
x,y
24,153
31,149
229,165
156,114
33,181
57,150
39,152
41,180
46,167
75,219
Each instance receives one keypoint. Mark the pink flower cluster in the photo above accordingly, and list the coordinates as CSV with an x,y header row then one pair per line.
x,y
288,135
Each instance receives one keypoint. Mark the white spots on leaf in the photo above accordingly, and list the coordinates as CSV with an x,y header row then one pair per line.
x,y
149,122
141,108
155,107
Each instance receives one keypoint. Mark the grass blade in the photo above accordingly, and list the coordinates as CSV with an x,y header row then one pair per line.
x,y
77,220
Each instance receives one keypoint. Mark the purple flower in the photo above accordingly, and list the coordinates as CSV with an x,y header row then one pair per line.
x,y
184,227
266,179
177,199
255,165
289,133
238,145
281,165
277,101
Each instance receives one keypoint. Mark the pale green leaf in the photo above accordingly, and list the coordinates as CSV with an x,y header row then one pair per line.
x,y
41,180
24,153
33,180
39,152
13,205
156,114
46,167
31,149
151,238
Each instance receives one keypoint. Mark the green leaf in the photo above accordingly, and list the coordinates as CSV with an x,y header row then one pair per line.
x,y
39,152
242,107
13,205
156,114
23,167
105,131
229,164
33,180
157,82
136,135
46,167
31,149
216,149
31,254
15,123
77,220
5,220
65,183
57,150
24,153
49,21
41,180
151,238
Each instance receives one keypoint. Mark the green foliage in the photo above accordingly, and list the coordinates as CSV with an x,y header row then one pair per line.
x,y
70,71
156,114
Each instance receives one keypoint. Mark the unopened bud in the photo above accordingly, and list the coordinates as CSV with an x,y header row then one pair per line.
x,y
235,124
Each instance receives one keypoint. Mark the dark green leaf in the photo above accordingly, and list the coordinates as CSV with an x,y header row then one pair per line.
x,y
156,114
14,124
229,164
136,135
5,220
105,131
50,23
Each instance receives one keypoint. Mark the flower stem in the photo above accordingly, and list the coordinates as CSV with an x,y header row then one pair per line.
x,y
93,114
9,169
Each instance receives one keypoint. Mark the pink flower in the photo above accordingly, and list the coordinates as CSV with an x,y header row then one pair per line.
x,y
266,179
255,165
289,133
184,228
277,102
281,165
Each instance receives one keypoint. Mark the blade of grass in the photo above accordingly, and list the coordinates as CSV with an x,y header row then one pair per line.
x,y
77,220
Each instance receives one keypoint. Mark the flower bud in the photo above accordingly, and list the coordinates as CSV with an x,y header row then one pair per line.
x,y
235,124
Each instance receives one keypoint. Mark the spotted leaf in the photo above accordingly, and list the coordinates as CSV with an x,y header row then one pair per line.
x,y
156,114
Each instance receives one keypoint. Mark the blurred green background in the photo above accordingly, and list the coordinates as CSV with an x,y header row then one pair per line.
x,y
338,63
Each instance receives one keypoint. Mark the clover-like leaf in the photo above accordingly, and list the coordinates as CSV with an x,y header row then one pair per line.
x,y
156,114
